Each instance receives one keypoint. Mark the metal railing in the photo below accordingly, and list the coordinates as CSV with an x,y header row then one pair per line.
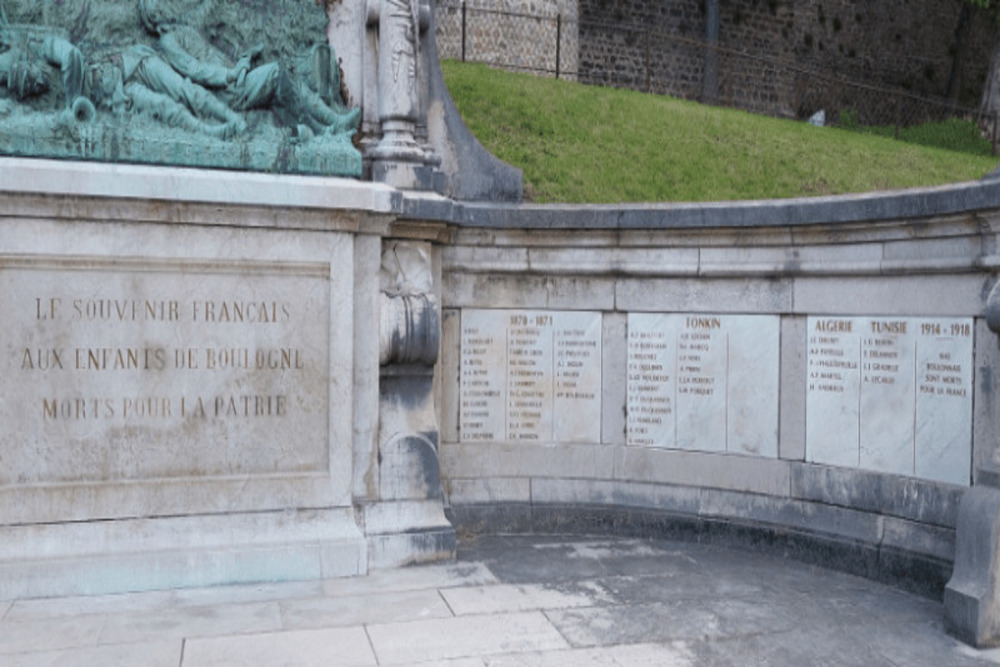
x,y
540,44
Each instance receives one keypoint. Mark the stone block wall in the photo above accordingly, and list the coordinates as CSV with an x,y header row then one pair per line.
x,y
561,326
916,50
928,50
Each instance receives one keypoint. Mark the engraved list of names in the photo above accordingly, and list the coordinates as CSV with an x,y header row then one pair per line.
x,y
530,376
891,394
703,382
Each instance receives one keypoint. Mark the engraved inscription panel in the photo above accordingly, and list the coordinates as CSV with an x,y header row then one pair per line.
x,y
891,394
703,382
530,376
651,387
163,371
834,390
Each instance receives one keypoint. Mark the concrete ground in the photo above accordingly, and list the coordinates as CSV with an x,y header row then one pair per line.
x,y
535,601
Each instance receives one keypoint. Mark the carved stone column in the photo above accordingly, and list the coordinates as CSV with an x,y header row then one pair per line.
x,y
408,523
972,597
399,159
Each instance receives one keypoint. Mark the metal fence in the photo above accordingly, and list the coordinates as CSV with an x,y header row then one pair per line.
x,y
521,42
655,61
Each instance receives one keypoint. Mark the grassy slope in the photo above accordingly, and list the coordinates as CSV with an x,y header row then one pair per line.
x,y
589,144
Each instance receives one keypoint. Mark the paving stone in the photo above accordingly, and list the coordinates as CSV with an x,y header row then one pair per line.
x,y
49,634
346,647
458,662
89,604
207,621
632,624
402,643
247,593
412,578
531,600
636,655
329,612
165,653
526,597
561,560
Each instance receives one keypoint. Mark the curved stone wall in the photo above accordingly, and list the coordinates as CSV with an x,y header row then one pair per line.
x,y
812,377
809,376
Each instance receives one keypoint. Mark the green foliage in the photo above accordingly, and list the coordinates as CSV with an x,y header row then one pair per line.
x,y
953,134
590,144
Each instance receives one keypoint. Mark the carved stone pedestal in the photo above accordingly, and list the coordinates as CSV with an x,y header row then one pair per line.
x,y
408,524
972,597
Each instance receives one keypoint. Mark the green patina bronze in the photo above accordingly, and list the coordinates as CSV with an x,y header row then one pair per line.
x,y
236,84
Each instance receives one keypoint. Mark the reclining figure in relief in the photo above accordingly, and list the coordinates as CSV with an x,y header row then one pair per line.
x,y
26,49
138,80
243,86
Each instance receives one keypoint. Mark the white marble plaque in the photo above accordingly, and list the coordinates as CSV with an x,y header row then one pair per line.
x,y
482,414
753,381
530,376
160,372
891,395
887,401
702,375
651,390
943,447
833,391
577,340
703,382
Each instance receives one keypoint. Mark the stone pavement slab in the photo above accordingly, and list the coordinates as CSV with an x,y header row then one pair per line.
x,y
187,622
449,575
308,648
535,601
330,612
464,636
164,653
510,597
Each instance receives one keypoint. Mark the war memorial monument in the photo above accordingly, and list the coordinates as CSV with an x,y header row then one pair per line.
x,y
270,313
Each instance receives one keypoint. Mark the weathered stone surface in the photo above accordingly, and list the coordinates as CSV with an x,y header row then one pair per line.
x,y
972,597
921,501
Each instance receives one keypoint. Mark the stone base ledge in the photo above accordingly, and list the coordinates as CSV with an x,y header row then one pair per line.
x,y
406,533
912,571
59,178
972,597
104,557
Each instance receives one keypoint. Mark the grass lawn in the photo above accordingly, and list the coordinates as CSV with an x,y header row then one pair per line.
x,y
588,144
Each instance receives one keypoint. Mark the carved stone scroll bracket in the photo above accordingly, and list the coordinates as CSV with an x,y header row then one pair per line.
x,y
408,524
410,318
972,596
410,332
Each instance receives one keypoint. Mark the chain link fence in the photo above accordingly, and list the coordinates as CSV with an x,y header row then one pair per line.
x,y
654,61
